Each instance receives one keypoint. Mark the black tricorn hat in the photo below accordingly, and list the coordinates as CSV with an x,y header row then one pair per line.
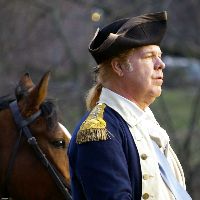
x,y
128,33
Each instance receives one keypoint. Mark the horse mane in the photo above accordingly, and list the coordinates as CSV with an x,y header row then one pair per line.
x,y
48,108
49,111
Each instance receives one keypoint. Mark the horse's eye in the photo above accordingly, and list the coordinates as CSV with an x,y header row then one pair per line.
x,y
59,143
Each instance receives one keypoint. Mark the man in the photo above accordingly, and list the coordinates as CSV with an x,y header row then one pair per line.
x,y
118,149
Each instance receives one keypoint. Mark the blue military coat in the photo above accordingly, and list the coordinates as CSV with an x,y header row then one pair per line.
x,y
104,161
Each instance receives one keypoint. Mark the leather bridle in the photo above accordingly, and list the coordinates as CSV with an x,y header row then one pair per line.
x,y
22,124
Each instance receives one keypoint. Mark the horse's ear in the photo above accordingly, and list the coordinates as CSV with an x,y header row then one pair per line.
x,y
43,88
26,81
24,86
37,96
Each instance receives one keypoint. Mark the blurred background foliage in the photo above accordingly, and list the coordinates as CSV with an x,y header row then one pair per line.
x,y
38,35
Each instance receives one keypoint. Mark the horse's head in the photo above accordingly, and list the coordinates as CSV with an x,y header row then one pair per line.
x,y
29,179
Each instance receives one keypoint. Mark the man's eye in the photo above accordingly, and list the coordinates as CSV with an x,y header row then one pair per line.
x,y
148,56
59,144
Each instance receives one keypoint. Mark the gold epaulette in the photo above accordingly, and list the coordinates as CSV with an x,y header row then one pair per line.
x,y
94,127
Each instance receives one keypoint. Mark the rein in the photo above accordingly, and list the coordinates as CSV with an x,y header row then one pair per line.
x,y
22,125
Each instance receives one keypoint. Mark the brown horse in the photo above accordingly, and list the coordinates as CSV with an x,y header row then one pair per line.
x,y
22,174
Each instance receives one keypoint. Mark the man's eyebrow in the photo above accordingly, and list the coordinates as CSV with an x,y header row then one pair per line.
x,y
152,52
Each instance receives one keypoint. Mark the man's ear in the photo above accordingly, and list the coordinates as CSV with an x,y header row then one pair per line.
x,y
117,67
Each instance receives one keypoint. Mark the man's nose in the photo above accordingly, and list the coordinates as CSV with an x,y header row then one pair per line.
x,y
159,64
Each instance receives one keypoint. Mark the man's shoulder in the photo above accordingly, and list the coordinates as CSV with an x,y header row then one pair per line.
x,y
96,125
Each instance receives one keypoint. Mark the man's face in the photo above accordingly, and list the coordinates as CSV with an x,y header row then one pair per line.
x,y
145,78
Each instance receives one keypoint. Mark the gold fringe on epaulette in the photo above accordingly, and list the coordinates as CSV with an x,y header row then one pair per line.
x,y
89,135
94,127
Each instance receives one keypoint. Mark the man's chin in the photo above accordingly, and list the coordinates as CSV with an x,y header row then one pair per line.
x,y
156,92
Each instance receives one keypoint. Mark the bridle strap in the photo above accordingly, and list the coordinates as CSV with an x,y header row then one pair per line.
x,y
19,120
22,124
42,157
4,188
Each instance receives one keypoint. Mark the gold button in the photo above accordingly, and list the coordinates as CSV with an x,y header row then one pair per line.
x,y
145,196
144,156
145,176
